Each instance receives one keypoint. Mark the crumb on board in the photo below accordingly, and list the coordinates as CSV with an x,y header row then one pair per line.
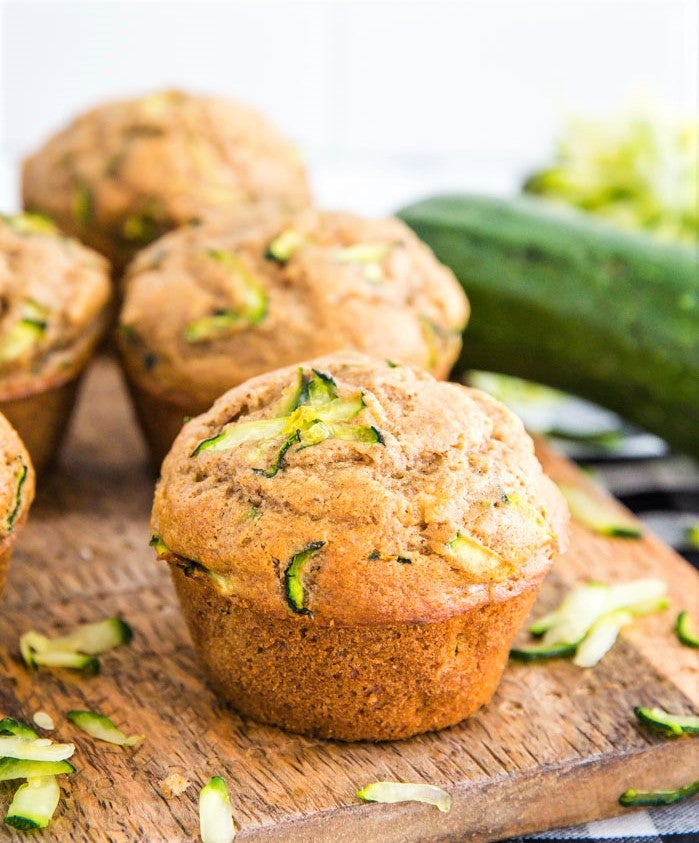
x,y
173,785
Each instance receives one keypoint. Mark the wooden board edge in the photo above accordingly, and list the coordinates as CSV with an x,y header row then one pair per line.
x,y
486,811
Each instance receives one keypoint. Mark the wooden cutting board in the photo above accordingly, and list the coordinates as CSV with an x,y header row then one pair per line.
x,y
557,744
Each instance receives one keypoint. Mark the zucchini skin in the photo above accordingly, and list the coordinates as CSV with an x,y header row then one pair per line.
x,y
540,652
684,630
634,798
10,726
567,301
293,585
665,722
16,768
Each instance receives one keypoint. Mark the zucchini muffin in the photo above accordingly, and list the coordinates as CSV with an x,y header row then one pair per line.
x,y
355,545
122,174
16,492
54,296
205,309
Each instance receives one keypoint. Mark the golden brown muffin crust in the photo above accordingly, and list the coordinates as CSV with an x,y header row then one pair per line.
x,y
53,296
318,301
351,683
448,510
125,172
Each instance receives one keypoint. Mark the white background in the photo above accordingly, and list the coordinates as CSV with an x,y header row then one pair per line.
x,y
388,99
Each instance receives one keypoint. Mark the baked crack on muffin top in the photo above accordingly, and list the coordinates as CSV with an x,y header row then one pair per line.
x,y
357,492
53,296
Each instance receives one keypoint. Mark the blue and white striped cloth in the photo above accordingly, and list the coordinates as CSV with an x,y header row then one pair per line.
x,y
673,824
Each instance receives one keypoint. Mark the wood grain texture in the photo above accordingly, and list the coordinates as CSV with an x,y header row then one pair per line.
x,y
556,745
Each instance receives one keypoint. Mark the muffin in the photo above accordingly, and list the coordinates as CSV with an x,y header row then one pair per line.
x,y
355,545
54,295
16,492
207,309
122,174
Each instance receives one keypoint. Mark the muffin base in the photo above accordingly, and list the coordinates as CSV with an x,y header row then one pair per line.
x,y
5,554
41,418
371,683
6,546
160,420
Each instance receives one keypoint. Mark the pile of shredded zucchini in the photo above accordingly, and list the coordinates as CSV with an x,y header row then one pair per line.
x,y
588,620
24,755
637,172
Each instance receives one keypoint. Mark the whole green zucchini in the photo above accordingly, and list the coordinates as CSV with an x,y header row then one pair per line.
x,y
564,300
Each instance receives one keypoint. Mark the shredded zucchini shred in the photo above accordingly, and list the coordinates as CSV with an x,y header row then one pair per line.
x,y
293,584
251,303
29,223
19,768
685,630
78,649
26,333
309,412
100,726
215,819
34,803
82,203
588,620
435,337
37,749
663,721
597,515
692,536
475,555
285,245
21,477
189,565
141,228
369,256
634,798
10,726
95,638
406,792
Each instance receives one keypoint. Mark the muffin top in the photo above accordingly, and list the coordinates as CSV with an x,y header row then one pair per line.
x,y
125,172
205,310
16,480
358,492
53,296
